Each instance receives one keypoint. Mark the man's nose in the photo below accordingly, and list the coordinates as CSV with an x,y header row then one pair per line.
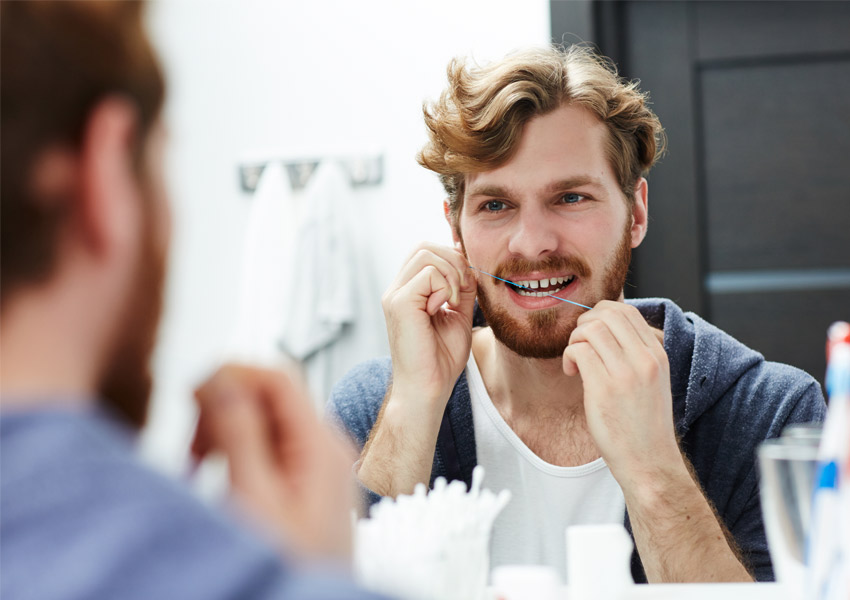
x,y
535,233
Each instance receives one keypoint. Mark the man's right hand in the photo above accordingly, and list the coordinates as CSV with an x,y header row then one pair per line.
x,y
428,309
286,467
430,342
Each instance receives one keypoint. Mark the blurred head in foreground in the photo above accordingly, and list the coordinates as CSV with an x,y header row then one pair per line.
x,y
85,223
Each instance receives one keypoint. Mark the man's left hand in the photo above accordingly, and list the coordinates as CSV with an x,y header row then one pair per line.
x,y
627,399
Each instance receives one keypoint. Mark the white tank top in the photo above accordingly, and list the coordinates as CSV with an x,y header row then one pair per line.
x,y
545,498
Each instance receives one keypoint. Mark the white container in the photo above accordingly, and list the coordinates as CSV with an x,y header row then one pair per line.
x,y
526,582
598,562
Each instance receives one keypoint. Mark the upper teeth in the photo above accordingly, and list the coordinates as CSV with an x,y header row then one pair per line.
x,y
542,283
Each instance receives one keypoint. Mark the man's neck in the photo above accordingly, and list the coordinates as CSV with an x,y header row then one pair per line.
x,y
47,352
520,385
542,405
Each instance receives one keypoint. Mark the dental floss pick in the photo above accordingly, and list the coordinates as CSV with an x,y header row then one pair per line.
x,y
525,288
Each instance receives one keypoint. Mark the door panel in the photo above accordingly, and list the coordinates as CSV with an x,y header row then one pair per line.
x,y
777,155
747,30
750,208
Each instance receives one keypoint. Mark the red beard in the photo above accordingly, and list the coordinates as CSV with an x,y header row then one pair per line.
x,y
126,382
546,333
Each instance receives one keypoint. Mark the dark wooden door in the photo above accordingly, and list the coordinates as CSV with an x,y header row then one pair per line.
x,y
750,209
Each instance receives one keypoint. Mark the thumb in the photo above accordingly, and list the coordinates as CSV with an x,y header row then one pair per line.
x,y
569,365
466,303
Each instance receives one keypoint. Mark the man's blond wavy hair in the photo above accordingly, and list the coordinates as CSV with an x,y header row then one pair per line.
x,y
477,122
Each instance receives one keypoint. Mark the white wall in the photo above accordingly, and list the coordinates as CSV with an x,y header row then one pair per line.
x,y
289,77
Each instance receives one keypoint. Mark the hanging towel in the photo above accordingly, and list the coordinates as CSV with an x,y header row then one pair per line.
x,y
335,319
268,247
321,297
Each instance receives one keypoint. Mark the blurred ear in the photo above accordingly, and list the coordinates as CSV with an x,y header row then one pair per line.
x,y
453,226
109,209
640,212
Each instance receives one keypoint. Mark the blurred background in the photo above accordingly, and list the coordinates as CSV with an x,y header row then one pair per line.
x,y
294,128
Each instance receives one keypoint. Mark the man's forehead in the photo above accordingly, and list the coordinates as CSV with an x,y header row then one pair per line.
x,y
563,148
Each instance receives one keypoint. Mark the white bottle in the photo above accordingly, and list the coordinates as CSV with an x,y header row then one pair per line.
x,y
598,562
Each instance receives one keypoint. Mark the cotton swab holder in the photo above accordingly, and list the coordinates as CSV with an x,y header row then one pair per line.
x,y
430,545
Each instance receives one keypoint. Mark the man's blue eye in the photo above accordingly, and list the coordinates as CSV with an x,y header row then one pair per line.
x,y
571,198
494,205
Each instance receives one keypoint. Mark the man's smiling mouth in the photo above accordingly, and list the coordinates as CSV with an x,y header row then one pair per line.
x,y
540,287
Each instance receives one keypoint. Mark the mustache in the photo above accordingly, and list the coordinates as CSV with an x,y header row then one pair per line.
x,y
518,266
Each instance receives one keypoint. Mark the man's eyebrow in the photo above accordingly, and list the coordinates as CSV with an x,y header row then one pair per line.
x,y
573,182
498,191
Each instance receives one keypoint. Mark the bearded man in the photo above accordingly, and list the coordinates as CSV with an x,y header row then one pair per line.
x,y
616,411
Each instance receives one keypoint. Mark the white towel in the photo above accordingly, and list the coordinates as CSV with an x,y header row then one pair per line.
x,y
264,289
320,299
333,318
309,291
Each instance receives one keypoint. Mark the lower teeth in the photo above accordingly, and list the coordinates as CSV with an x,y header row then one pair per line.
x,y
524,292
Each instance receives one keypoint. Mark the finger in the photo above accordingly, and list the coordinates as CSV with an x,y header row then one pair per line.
x,y
626,323
586,360
425,259
619,327
201,441
448,261
200,445
647,332
598,335
468,293
250,382
451,254
295,430
282,398
428,283
291,414
568,363
232,423
435,301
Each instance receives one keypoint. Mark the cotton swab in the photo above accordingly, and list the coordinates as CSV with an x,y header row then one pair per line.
x,y
431,545
527,288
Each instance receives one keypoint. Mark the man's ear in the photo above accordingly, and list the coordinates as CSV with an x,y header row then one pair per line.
x,y
640,212
109,195
452,225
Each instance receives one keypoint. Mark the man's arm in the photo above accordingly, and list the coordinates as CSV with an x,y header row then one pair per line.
x,y
678,534
626,381
429,344
404,445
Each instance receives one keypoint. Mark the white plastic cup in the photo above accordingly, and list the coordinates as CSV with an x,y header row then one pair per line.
x,y
598,561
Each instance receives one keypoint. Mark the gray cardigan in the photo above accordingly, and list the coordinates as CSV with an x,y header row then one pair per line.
x,y
726,399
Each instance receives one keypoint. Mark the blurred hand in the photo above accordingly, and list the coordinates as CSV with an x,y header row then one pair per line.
x,y
286,467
